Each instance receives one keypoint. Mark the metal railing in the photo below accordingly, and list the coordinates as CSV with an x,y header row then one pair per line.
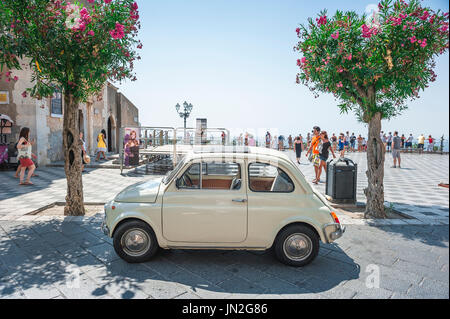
x,y
168,143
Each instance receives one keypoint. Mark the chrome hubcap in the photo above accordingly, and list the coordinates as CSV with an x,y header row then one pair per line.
x,y
297,247
135,242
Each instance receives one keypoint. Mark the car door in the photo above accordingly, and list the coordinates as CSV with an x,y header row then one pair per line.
x,y
272,198
207,204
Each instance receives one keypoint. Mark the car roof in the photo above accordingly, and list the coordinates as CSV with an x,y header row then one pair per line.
x,y
236,151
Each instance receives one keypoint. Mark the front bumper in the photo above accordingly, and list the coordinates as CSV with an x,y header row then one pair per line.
x,y
333,231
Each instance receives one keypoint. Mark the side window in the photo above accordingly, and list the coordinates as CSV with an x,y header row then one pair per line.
x,y
221,175
267,178
190,178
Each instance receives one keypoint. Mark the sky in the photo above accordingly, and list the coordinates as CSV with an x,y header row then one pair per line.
x,y
234,61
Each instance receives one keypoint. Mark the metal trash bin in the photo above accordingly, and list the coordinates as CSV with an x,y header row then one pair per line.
x,y
342,180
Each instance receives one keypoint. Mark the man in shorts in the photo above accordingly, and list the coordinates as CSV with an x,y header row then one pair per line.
x,y
421,143
396,148
409,142
314,148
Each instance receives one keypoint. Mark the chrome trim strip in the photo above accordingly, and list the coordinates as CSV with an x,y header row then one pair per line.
x,y
215,247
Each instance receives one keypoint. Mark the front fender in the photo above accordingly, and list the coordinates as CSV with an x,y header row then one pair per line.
x,y
148,213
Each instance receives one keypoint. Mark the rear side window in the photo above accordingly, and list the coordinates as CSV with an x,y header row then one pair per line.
x,y
268,178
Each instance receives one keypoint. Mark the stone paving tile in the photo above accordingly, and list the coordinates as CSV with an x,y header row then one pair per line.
x,y
86,239
422,271
41,293
429,288
247,272
242,287
162,266
71,250
104,252
120,282
161,288
86,262
81,288
199,286
363,292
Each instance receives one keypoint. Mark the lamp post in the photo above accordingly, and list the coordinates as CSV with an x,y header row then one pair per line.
x,y
185,113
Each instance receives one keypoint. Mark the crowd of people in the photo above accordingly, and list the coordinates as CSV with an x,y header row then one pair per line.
x,y
318,146
351,143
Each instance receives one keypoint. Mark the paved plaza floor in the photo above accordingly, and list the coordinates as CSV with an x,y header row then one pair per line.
x,y
56,257
412,189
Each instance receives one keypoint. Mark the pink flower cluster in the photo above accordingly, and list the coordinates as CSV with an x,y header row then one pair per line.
x,y
335,35
77,20
322,20
368,32
302,61
118,32
425,15
85,19
444,28
9,78
134,14
423,43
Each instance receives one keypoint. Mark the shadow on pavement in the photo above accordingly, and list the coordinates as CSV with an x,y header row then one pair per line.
x,y
75,260
430,235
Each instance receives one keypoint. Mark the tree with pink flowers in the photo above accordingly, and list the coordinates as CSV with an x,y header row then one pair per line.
x,y
75,47
373,64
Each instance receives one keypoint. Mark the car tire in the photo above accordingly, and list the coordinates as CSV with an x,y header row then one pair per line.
x,y
135,242
297,245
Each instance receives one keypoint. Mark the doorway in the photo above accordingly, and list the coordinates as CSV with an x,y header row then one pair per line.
x,y
80,121
109,135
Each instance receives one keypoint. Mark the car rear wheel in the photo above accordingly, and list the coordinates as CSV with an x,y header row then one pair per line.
x,y
297,246
135,242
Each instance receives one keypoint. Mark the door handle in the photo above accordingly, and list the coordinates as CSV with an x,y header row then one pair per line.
x,y
239,200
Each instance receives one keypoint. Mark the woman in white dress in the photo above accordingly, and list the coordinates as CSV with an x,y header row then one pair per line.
x,y
274,144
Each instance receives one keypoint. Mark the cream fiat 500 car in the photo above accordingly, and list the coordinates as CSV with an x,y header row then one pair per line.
x,y
227,198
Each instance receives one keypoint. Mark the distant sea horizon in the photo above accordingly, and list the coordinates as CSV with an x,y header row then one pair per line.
x,y
437,143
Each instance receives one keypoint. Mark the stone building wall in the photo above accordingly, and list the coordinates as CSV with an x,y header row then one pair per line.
x,y
46,128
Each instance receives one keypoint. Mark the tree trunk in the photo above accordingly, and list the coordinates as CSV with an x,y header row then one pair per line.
x,y
72,155
375,170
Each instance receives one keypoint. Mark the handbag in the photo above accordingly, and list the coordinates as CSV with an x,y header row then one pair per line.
x,y
87,159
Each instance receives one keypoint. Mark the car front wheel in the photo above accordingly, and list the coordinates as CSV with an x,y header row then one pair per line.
x,y
297,246
135,242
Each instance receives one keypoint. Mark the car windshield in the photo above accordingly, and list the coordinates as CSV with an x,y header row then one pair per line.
x,y
171,174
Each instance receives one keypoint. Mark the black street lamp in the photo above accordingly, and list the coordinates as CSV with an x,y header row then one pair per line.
x,y
184,113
